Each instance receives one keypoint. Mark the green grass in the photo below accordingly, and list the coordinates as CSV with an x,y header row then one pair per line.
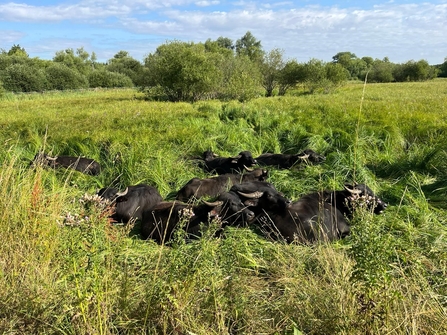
x,y
64,270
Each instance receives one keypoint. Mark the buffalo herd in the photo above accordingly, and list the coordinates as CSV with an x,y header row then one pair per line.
x,y
241,197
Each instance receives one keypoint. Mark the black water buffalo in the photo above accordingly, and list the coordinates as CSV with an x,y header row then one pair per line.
x,y
320,216
197,188
160,222
285,161
261,196
132,202
233,211
221,165
206,156
209,155
82,164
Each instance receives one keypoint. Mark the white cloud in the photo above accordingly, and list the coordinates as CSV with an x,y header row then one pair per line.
x,y
25,13
398,31
10,36
206,3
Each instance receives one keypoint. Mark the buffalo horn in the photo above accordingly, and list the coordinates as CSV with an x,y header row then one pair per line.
x,y
213,204
353,190
254,195
248,169
123,193
304,156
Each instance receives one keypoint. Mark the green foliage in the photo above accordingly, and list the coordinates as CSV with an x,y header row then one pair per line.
x,y
443,69
225,42
79,60
336,74
123,63
61,77
241,78
270,68
24,78
184,71
249,46
105,79
315,75
2,90
354,65
16,50
414,71
222,45
291,74
381,72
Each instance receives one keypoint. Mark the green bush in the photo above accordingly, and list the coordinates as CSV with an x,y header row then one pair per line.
x,y
107,79
24,78
61,77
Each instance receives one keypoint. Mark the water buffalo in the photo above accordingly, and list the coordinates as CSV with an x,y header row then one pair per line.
x,y
197,188
82,164
221,165
261,196
233,211
320,216
162,220
284,161
209,155
132,202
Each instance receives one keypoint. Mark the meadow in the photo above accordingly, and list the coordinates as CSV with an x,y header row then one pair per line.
x,y
65,270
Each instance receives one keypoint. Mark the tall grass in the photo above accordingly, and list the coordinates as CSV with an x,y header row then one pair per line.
x,y
65,270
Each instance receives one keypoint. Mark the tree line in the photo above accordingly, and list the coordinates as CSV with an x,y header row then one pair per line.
x,y
214,69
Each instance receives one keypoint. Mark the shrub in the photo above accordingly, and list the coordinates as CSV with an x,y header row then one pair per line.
x,y
107,79
24,78
61,77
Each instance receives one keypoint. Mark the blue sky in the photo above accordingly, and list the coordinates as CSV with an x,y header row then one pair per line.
x,y
397,29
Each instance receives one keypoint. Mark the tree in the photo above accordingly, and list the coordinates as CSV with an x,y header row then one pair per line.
x,y
2,90
23,78
249,46
291,74
240,79
270,69
225,42
16,50
217,47
79,60
336,74
61,77
381,72
107,79
350,62
314,75
443,68
183,71
414,71
124,64
368,60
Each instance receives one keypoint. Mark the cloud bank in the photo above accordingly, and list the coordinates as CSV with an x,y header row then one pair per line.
x,y
399,31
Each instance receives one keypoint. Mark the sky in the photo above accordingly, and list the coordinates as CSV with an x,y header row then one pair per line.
x,y
398,29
